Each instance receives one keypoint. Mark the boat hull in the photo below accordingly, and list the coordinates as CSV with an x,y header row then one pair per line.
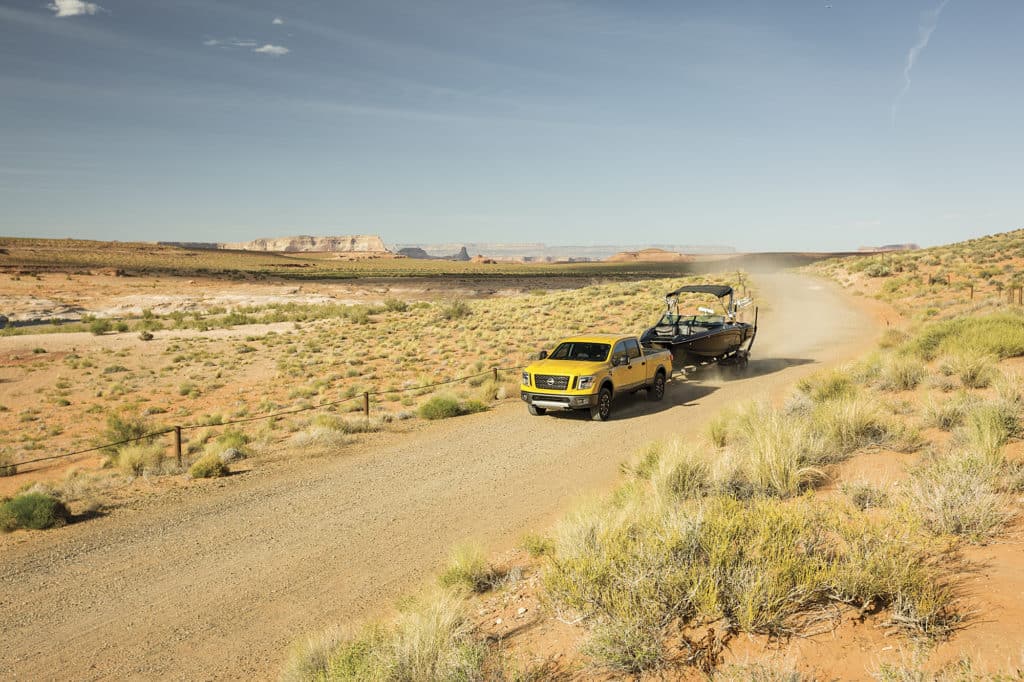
x,y
706,345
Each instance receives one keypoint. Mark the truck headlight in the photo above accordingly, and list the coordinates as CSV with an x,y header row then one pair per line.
x,y
526,378
584,383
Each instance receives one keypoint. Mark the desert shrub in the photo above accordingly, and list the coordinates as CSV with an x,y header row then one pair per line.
x,y
884,564
778,453
8,467
973,370
468,568
318,438
456,310
208,466
718,430
893,338
863,495
446,406
878,269
100,326
843,426
34,510
136,459
395,305
761,564
867,369
645,462
901,373
683,474
987,428
125,427
946,414
537,545
431,641
957,493
827,385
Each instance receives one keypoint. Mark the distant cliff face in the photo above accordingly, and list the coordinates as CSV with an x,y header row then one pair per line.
x,y
347,244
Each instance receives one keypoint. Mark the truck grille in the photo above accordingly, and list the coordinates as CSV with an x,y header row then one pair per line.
x,y
551,382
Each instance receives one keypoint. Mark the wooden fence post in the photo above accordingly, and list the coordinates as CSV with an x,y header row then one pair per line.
x,y
177,443
495,375
366,404
972,291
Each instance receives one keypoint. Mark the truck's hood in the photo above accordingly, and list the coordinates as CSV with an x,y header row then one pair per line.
x,y
575,368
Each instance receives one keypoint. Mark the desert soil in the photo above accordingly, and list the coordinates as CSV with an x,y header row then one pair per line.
x,y
197,583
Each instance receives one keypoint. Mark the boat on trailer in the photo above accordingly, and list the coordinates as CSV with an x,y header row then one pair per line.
x,y
707,336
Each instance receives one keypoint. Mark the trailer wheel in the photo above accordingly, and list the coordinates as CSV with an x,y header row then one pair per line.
x,y
603,410
656,391
536,411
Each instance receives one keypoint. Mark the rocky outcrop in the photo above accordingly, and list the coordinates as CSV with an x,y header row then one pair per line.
x,y
420,254
305,243
414,252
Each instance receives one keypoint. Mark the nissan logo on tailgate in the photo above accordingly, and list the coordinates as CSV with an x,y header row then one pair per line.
x,y
551,381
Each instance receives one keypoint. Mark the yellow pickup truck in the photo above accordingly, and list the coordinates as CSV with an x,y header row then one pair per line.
x,y
588,372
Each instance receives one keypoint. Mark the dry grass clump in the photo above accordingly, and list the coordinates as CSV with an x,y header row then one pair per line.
x,y
864,495
137,459
468,569
431,641
447,406
947,414
8,467
828,385
780,454
783,452
764,565
758,672
901,373
958,494
975,370
208,466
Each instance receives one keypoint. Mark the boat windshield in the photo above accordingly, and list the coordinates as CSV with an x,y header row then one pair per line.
x,y
669,318
575,350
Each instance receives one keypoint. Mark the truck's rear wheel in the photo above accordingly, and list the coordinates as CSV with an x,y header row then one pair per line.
x,y
603,409
656,391
536,411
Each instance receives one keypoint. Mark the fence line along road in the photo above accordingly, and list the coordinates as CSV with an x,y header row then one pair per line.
x,y
177,430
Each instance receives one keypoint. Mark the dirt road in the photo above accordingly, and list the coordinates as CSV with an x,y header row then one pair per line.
x,y
214,584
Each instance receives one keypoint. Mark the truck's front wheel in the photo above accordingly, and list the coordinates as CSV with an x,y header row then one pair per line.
x,y
603,409
536,411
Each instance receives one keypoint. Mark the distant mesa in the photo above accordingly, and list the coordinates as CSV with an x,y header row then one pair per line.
x,y
889,247
649,256
348,246
309,244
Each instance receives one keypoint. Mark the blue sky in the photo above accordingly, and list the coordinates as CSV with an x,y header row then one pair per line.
x,y
764,125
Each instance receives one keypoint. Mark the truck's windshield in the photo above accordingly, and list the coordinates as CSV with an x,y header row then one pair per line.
x,y
574,350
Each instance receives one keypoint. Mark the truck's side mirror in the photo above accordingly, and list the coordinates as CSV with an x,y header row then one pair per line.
x,y
541,355
619,360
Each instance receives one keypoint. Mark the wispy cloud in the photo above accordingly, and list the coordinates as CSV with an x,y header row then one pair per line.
x,y
229,42
274,50
929,21
73,8
277,21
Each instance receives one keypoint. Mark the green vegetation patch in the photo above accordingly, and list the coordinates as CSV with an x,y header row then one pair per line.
x,y
35,510
1000,335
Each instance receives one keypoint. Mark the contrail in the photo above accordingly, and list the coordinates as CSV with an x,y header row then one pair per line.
x,y
930,20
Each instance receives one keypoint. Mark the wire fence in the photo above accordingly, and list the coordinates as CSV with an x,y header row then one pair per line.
x,y
365,396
